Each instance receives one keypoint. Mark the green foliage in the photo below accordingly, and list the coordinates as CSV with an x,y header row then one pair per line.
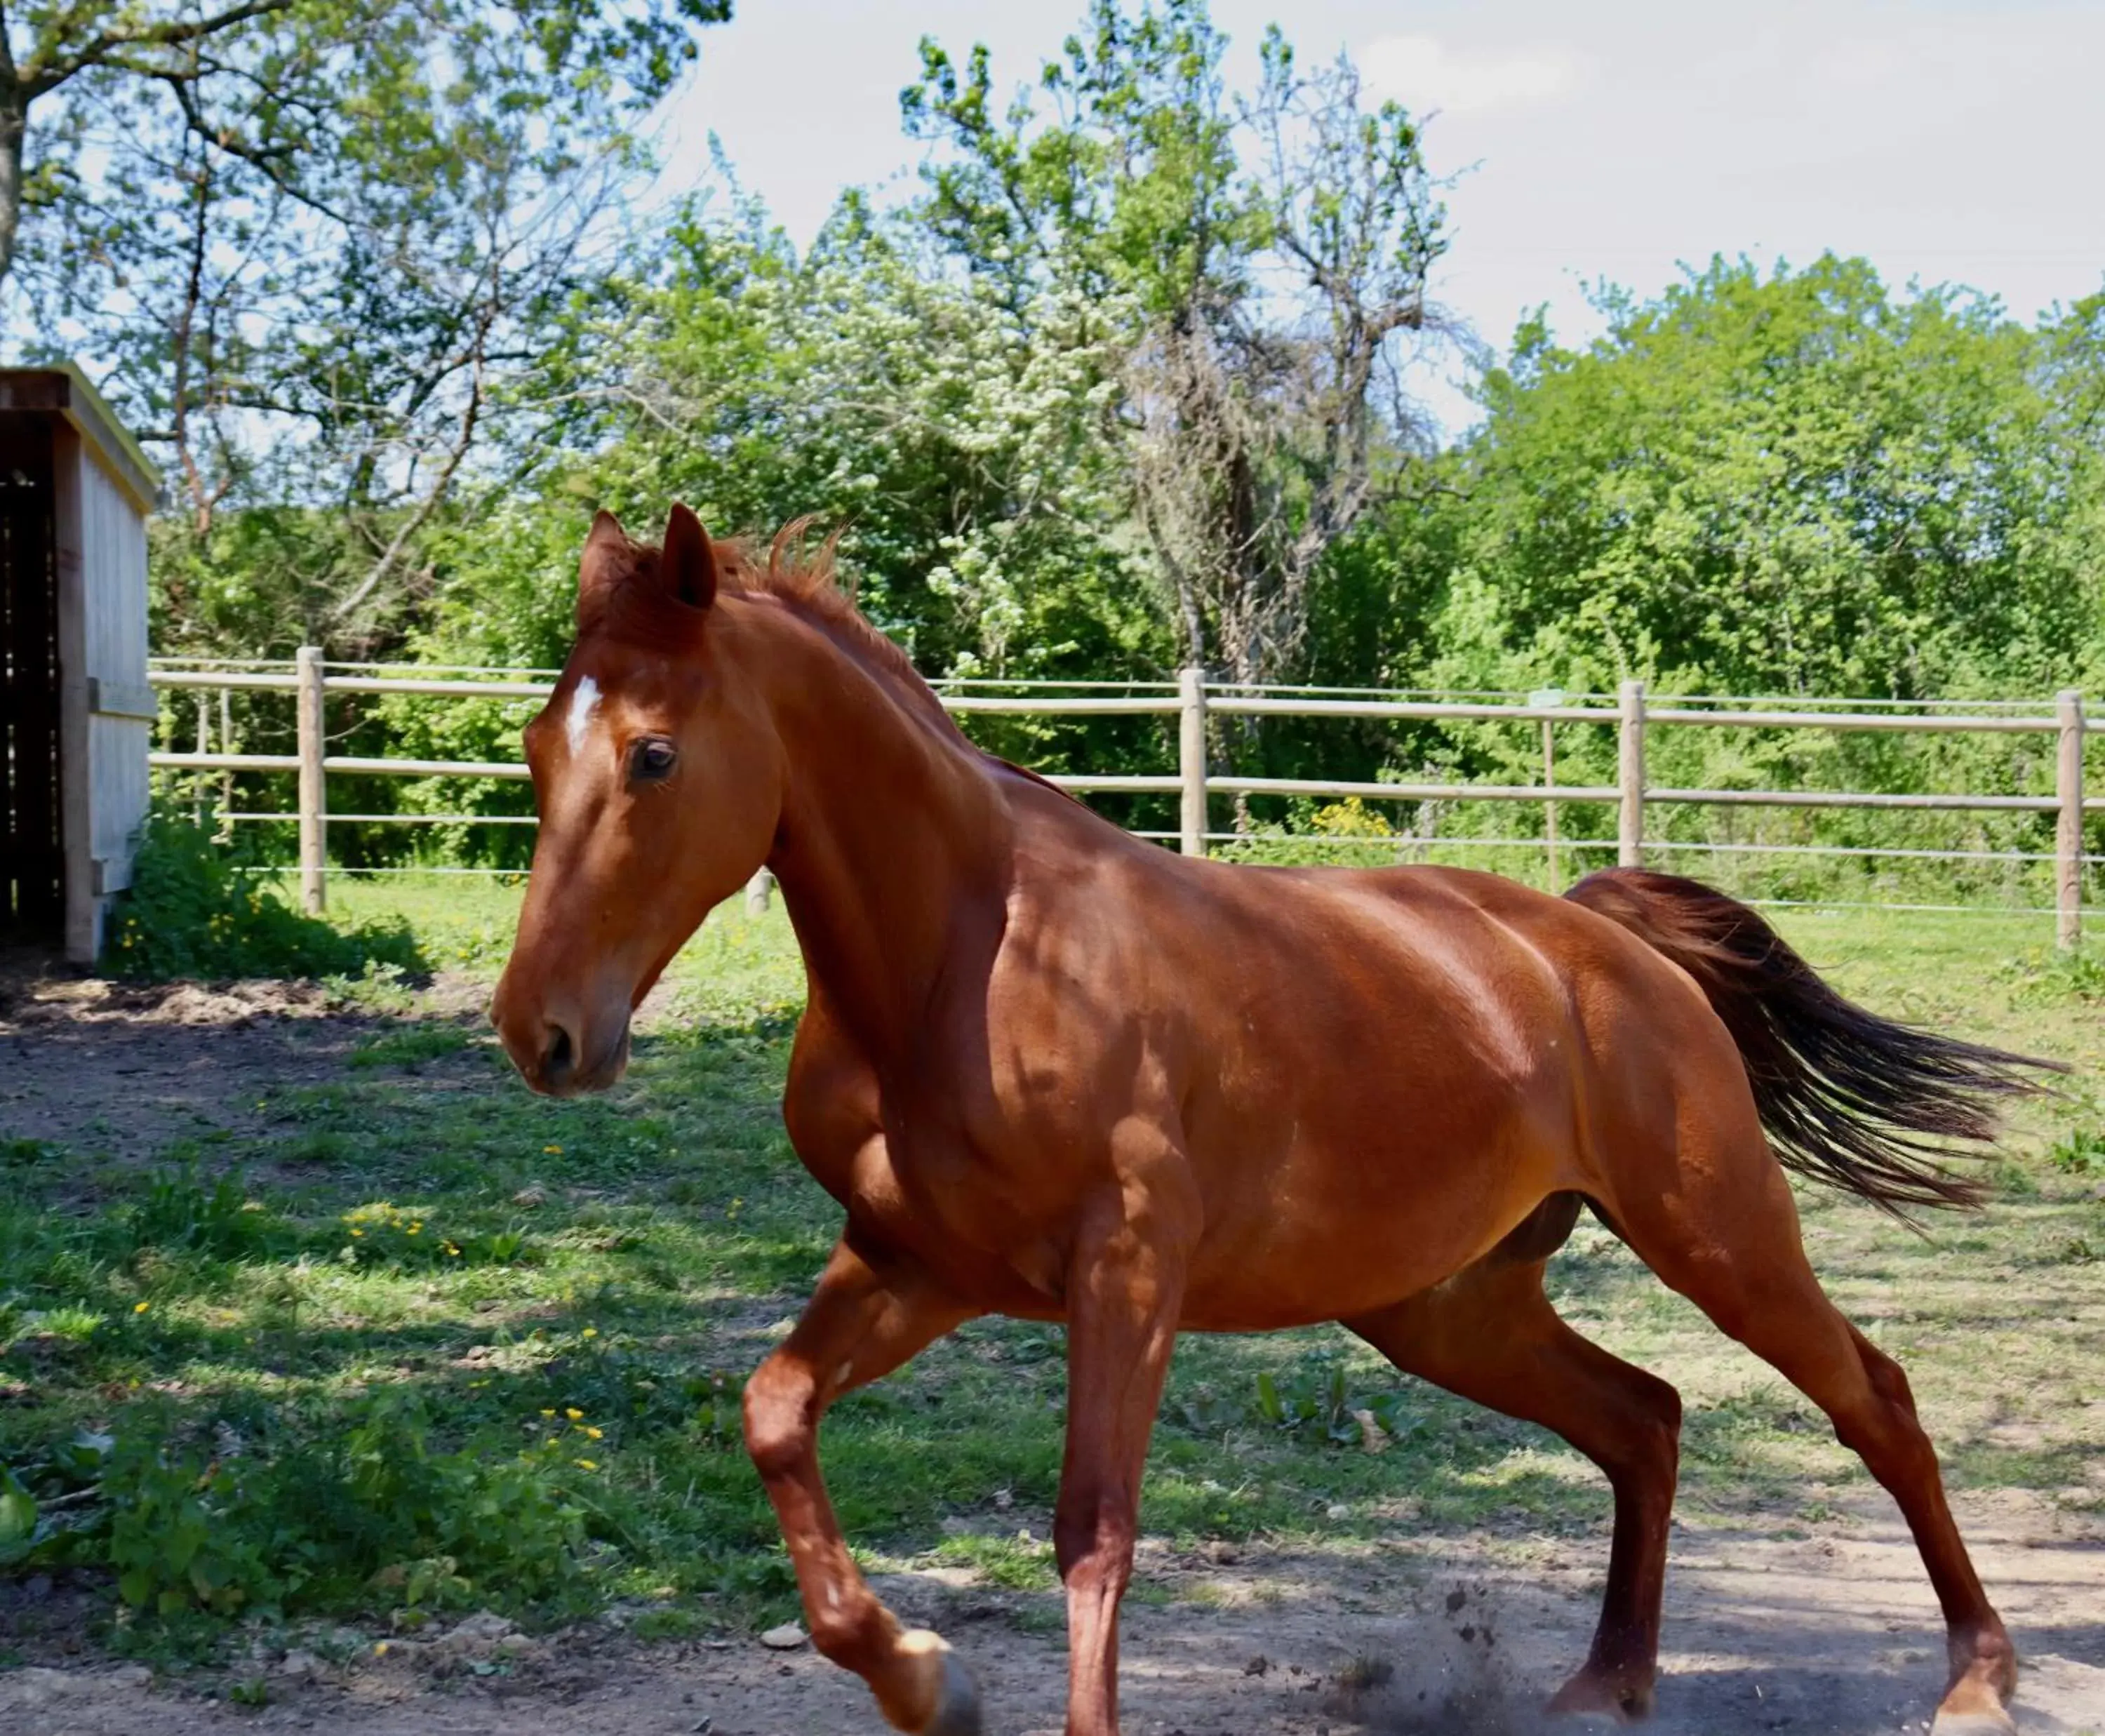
x,y
1794,483
2080,1153
380,1234
176,1539
328,250
410,1047
196,908
179,1212
1317,1400
381,1509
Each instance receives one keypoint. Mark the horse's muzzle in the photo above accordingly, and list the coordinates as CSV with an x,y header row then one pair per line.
x,y
559,1054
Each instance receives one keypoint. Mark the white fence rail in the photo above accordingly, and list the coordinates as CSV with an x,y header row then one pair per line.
x,y
1191,700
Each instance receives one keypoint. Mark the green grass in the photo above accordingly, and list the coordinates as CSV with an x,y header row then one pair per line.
x,y
427,1341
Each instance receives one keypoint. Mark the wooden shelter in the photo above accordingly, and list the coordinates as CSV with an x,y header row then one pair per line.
x,y
76,713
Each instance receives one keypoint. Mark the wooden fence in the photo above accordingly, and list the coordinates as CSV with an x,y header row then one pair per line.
x,y
1192,700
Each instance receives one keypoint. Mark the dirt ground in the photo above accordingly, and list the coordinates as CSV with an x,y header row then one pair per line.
x,y
1834,1634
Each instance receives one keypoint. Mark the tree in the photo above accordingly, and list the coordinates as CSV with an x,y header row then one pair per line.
x,y
1272,249
1794,483
314,249
299,89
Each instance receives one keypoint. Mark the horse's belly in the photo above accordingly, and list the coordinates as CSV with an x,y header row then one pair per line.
x,y
1320,1270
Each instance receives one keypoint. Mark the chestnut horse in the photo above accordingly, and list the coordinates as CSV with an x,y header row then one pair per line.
x,y
1050,1071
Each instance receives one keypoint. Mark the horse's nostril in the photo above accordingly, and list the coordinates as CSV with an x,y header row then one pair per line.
x,y
558,1056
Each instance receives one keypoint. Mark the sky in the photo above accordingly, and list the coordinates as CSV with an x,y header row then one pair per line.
x,y
1946,140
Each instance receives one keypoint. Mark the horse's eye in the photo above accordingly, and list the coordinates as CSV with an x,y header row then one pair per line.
x,y
651,760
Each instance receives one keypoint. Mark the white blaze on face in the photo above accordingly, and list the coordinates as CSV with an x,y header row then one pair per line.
x,y
584,701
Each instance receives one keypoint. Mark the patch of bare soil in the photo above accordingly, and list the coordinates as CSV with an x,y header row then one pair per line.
x,y
121,1069
1836,1634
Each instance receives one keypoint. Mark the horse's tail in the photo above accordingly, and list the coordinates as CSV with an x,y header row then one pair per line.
x,y
1846,1097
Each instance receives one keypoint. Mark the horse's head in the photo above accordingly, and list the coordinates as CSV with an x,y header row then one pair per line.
x,y
657,777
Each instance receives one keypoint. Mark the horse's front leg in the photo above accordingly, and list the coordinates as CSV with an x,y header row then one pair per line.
x,y
1125,1287
865,1320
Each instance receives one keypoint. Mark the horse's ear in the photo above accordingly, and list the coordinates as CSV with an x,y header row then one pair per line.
x,y
608,556
688,565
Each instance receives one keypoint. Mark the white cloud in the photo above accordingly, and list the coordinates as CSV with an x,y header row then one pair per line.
x,y
1425,74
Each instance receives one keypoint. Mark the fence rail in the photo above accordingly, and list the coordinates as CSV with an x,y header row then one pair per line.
x,y
1191,700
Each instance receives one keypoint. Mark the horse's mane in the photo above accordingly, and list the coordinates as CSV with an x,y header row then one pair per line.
x,y
807,582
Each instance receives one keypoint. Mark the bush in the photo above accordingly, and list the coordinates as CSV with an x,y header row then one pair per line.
x,y
200,908
376,1513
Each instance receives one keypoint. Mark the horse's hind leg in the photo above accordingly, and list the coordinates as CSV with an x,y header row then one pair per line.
x,y
1726,1236
1489,1334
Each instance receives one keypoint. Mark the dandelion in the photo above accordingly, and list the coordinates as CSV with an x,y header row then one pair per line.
x,y
552,1150
595,1433
140,1308
358,1233
588,1464
573,1413
380,1648
547,1413
590,1332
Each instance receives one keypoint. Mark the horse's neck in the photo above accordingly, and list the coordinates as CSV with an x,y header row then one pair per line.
x,y
893,850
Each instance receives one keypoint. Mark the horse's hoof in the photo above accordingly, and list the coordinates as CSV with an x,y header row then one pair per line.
x,y
1976,1722
1604,1694
958,1712
1974,1703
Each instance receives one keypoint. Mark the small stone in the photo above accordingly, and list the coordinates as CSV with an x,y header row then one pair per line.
x,y
1260,1665
301,1666
532,1194
36,1588
786,1638
1338,1511
1003,1500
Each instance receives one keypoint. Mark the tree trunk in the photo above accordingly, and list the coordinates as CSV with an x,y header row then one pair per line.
x,y
14,125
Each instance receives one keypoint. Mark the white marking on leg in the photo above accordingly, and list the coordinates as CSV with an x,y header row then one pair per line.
x,y
583,703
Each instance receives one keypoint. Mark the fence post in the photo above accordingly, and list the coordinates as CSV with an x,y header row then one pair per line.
x,y
203,748
1191,756
314,794
225,833
756,891
1630,779
2068,829
1549,806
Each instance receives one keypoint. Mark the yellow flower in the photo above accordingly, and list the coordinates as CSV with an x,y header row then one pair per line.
x,y
547,1413
589,1464
573,1413
358,1233
380,1649
594,1432
590,1332
140,1308
553,1150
